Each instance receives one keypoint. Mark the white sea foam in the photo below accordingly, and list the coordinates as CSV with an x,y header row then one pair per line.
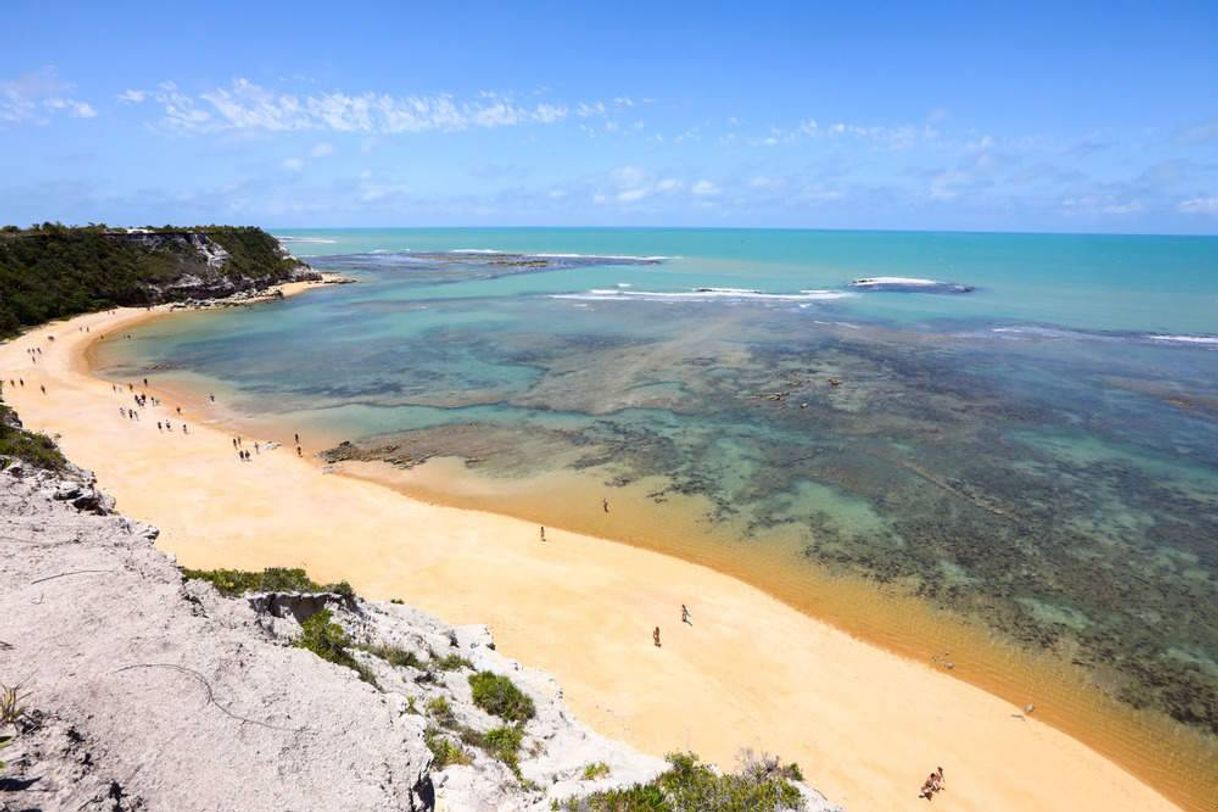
x,y
316,240
701,295
625,257
884,281
1033,331
1208,341
497,252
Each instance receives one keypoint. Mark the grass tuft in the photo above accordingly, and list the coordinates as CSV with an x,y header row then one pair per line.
x,y
233,583
325,638
499,696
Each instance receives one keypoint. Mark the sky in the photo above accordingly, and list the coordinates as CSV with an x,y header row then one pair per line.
x,y
947,116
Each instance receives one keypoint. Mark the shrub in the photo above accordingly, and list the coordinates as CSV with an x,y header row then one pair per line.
x,y
272,579
35,449
691,786
394,655
503,743
320,635
445,751
451,662
498,695
11,712
441,711
595,770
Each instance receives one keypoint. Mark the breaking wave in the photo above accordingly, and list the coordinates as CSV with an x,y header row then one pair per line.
x,y
701,295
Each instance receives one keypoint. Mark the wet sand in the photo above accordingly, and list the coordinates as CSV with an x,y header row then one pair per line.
x,y
866,725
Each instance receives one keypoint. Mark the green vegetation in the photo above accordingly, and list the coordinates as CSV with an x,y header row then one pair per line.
x,y
441,711
445,751
690,786
595,770
325,638
11,712
503,743
499,696
30,447
394,655
51,271
451,662
272,579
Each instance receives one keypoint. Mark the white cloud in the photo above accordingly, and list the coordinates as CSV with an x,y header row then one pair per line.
x,y
892,137
33,96
322,149
633,195
133,96
765,182
1102,204
76,109
293,164
244,105
1199,205
704,188
585,110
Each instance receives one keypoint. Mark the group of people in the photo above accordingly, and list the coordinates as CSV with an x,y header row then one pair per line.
x,y
686,618
933,784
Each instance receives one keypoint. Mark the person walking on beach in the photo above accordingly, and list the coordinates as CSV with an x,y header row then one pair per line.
x,y
543,532
685,615
655,636
932,784
297,439
298,452
605,504
43,388
184,429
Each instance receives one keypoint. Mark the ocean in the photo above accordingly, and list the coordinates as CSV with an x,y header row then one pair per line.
x,y
1020,430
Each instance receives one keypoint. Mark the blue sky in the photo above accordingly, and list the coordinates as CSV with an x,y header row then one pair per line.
x,y
991,116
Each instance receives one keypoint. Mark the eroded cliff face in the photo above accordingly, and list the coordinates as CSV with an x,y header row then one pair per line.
x,y
205,266
150,692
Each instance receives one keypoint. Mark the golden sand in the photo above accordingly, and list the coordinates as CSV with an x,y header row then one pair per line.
x,y
865,724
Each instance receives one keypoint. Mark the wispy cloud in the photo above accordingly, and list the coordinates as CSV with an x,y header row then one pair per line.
x,y
1199,205
244,105
35,96
894,137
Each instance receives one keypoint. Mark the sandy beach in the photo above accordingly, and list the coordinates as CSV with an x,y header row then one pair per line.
x,y
865,725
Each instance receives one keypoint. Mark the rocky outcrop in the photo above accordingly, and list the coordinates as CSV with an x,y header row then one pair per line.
x,y
150,692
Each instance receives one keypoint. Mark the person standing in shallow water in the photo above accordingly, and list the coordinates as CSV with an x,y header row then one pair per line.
x,y
655,636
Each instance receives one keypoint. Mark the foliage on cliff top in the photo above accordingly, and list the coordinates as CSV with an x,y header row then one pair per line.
x,y
31,447
52,271
762,785
500,696
272,579
325,638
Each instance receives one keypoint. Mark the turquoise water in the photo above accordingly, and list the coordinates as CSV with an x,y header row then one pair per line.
x,y
1040,451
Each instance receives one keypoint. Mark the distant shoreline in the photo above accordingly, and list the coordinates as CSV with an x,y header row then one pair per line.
x,y
953,693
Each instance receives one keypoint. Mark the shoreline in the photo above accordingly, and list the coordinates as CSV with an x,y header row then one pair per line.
x,y
858,741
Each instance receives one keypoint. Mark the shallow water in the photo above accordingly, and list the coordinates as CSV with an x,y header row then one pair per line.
x,y
1040,452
